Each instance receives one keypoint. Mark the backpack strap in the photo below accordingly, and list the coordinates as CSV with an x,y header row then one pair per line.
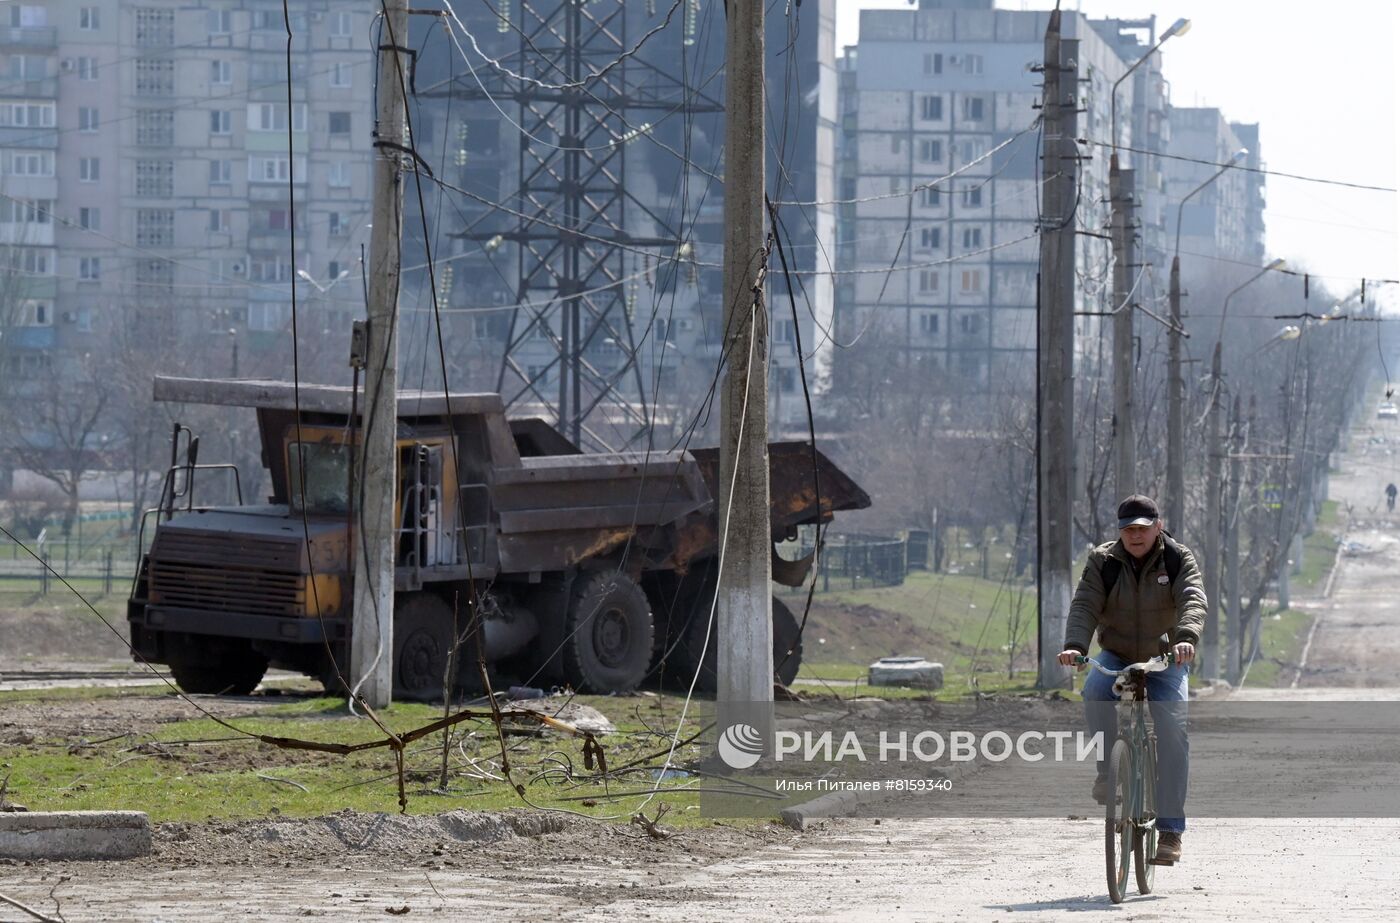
x,y
1171,556
1108,573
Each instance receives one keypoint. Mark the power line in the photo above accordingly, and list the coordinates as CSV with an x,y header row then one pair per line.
x,y
1243,169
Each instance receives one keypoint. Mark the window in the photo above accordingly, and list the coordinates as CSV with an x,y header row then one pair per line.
x,y
339,176
269,269
26,211
340,75
275,169
155,178
784,331
972,280
155,227
87,118
972,238
30,261
220,172
896,144
972,149
972,64
972,196
220,122
90,219
89,169
28,67
90,269
931,108
269,316
87,68
933,64
970,323
337,225
930,150
273,117
340,123
155,127
930,197
273,219
155,77
28,163
22,114
972,108
928,323
28,16
220,72
88,19
341,24
930,238
928,280
219,22
35,314
155,28
218,219
157,273
273,71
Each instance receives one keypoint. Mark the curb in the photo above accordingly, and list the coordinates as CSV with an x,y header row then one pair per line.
x,y
32,835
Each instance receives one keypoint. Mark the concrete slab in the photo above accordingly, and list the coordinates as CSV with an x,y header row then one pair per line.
x,y
74,835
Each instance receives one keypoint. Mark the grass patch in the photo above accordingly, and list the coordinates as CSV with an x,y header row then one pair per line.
x,y
1281,638
1320,548
185,771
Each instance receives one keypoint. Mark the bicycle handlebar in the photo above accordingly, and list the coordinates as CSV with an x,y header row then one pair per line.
x,y
1155,665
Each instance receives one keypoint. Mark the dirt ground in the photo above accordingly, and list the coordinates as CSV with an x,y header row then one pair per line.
x,y
529,866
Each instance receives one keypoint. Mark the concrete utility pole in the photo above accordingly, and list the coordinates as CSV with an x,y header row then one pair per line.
x,y
1055,348
1232,548
1121,186
1215,452
745,630
372,631
1176,398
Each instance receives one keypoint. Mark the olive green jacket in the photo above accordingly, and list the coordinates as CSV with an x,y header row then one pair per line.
x,y
1140,608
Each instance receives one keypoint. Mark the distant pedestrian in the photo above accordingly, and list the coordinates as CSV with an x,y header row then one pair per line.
x,y
1390,490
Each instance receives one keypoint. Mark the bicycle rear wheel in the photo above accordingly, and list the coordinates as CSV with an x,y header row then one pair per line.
x,y
1118,824
1145,842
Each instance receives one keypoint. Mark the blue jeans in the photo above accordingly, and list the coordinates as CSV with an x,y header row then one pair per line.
x,y
1166,699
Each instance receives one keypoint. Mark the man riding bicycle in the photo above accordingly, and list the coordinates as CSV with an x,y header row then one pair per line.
x,y
1134,591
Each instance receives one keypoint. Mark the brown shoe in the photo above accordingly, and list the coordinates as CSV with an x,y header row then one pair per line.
x,y
1168,847
1101,790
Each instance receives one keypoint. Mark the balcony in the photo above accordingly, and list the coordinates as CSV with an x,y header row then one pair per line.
x,y
13,136
43,88
29,37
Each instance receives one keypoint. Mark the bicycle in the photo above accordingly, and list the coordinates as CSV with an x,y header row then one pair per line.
x,y
1130,814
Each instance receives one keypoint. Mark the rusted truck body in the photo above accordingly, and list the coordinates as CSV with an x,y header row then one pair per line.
x,y
513,547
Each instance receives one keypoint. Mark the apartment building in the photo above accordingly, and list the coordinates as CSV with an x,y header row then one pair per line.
x,y
150,167
1225,220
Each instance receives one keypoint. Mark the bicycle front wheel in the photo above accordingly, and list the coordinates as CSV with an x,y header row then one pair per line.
x,y
1118,825
1145,843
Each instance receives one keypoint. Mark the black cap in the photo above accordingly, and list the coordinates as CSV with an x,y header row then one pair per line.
x,y
1137,510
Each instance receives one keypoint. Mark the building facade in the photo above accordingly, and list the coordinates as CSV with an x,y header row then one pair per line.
x,y
147,171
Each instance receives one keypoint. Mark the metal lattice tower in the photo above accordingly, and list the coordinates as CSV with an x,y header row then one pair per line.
x,y
573,202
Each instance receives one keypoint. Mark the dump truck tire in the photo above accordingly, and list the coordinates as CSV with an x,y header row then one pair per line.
x,y
422,643
216,666
608,634
787,649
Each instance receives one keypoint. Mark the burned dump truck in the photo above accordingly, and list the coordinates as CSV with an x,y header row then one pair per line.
x,y
587,569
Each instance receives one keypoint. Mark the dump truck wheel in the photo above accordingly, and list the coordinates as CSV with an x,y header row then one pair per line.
x,y
422,643
608,634
785,640
216,666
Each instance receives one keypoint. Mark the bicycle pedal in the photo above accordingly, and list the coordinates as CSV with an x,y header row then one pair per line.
x,y
1156,861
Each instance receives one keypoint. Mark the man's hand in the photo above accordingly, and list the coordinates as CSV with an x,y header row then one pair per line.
x,y
1067,659
1185,652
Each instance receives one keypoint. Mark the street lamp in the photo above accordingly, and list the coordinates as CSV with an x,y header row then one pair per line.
x,y
318,286
1180,27
1121,192
1210,646
1176,443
